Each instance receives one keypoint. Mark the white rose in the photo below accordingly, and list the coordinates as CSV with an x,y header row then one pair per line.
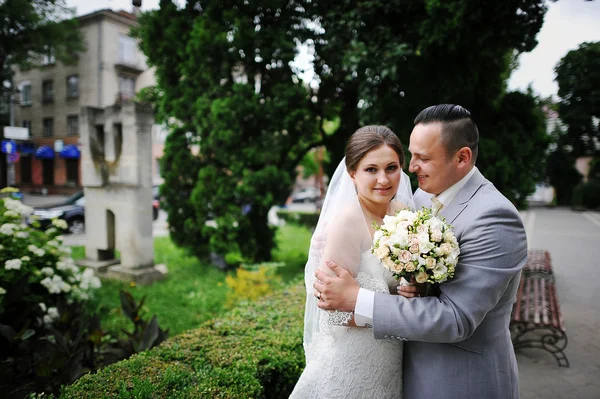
x,y
382,251
400,238
436,235
389,263
414,248
405,256
446,248
421,229
449,237
13,264
410,267
395,250
398,267
421,277
413,238
430,263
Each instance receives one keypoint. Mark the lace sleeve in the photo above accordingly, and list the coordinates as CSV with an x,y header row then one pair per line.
x,y
337,318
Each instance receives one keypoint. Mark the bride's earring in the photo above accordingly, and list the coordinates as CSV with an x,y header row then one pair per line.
x,y
355,189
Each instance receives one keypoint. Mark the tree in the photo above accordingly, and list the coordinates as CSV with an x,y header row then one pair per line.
x,y
561,171
226,88
36,29
383,62
578,78
516,162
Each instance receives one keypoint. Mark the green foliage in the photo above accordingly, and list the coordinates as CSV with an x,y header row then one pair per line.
x,y
561,171
46,334
519,144
241,120
587,195
252,282
145,335
238,356
225,83
34,29
383,62
578,78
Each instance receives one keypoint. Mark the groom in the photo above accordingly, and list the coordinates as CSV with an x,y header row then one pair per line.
x,y
457,343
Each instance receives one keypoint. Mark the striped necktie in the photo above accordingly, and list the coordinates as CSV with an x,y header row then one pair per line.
x,y
436,205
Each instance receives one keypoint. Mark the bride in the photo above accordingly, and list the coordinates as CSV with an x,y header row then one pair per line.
x,y
342,360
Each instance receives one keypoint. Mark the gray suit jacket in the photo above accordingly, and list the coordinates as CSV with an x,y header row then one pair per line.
x,y
458,344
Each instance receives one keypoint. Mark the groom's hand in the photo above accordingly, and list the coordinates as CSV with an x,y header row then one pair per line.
x,y
336,293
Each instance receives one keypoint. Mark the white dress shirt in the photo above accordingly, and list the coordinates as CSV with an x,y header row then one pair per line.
x,y
363,310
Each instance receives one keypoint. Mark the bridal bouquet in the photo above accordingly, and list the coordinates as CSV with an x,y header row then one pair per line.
x,y
416,244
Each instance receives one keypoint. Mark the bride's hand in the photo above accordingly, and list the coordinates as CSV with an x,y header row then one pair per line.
x,y
415,290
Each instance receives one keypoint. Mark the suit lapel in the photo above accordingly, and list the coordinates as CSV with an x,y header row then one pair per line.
x,y
461,200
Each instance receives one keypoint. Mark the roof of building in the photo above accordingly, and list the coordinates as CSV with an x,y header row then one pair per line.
x,y
121,15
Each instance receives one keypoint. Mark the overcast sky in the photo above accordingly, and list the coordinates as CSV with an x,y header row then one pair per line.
x,y
568,23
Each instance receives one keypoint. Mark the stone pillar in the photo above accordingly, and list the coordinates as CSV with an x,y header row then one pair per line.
x,y
116,164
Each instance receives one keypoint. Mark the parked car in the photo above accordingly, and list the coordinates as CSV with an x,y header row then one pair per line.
x,y
308,194
72,210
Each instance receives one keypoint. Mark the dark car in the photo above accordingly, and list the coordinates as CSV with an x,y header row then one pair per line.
x,y
72,211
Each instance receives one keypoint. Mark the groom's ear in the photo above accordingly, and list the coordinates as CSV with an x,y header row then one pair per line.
x,y
465,156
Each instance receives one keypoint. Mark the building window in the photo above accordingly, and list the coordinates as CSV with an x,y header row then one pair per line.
x,y
47,91
73,86
72,125
126,87
48,172
72,171
127,50
25,162
26,124
48,130
48,58
26,93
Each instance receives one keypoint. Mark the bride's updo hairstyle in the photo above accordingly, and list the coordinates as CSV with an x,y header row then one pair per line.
x,y
369,138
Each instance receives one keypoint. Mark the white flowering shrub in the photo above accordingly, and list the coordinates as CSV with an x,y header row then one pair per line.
x,y
36,270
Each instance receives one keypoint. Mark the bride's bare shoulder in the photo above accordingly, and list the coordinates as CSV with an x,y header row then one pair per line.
x,y
396,206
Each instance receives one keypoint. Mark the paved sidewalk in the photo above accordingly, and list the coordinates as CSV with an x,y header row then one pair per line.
x,y
573,240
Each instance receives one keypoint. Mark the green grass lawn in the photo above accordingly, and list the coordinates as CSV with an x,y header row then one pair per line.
x,y
193,292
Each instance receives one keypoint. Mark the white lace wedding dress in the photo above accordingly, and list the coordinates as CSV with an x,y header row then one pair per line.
x,y
347,362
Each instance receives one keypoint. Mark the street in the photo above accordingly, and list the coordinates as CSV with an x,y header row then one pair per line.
x,y
573,240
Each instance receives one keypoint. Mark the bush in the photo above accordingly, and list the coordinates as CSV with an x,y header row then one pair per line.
x,y
252,282
306,219
587,195
253,352
45,333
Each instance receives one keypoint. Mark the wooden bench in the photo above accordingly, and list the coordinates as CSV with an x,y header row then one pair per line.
x,y
536,318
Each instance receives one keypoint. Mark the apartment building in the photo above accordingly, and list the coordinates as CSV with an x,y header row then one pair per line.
x,y
111,70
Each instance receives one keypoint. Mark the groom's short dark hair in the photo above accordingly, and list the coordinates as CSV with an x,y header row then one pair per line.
x,y
458,128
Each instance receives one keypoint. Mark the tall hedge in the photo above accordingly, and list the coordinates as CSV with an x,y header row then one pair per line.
x,y
253,352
